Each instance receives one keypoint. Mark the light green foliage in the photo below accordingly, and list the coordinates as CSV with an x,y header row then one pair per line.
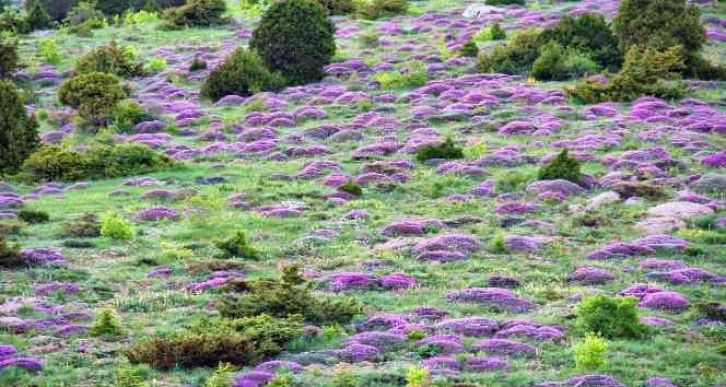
x,y
156,65
116,227
393,80
475,150
417,377
590,353
222,377
49,51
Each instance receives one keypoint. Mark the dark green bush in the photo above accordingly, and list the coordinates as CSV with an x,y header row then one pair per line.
x,y
550,65
127,114
198,64
83,18
469,49
243,73
610,317
563,166
285,297
505,2
338,7
78,244
197,13
9,57
497,32
444,150
125,160
57,9
712,310
85,226
18,131
237,246
513,57
110,59
54,163
352,188
659,25
644,72
189,350
269,335
33,216
94,95
13,22
100,161
627,189
38,18
118,7
375,9
10,256
296,39
589,34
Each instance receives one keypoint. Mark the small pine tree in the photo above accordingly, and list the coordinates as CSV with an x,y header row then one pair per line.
x,y
563,166
9,57
38,18
497,33
10,256
238,246
107,325
18,131
470,49
352,188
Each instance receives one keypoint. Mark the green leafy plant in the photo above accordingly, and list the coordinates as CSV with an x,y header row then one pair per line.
x,y
563,166
156,65
238,245
116,227
295,38
197,64
610,317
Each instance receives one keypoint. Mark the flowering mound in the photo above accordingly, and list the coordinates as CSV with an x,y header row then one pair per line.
x,y
468,326
495,297
27,363
382,341
668,301
155,213
356,353
505,347
445,248
590,276
486,364
585,381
